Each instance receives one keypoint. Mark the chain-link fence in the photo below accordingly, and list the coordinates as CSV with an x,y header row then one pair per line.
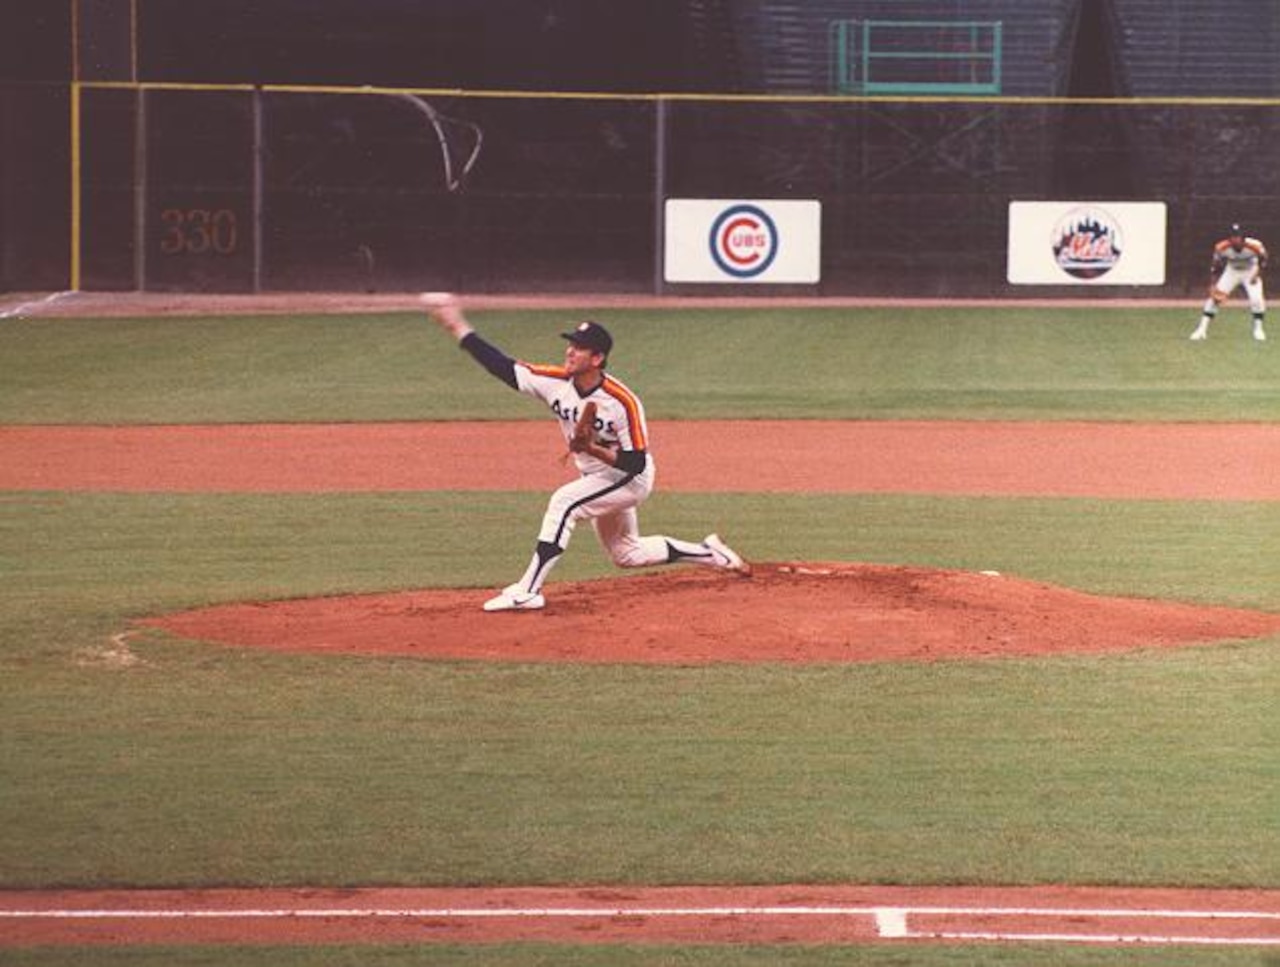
x,y
239,188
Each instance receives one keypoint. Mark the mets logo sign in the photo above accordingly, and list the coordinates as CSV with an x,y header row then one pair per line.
x,y
1087,243
744,241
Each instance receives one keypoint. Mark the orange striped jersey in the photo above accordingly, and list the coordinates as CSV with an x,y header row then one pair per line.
x,y
1250,255
620,419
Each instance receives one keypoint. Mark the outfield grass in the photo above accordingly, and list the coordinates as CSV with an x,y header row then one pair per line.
x,y
202,765
964,363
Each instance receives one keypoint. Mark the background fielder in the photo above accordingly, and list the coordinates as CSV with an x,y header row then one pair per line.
x,y
1238,261
616,470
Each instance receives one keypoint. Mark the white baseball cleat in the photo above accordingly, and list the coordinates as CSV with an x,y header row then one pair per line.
x,y
1200,335
513,598
1259,334
725,556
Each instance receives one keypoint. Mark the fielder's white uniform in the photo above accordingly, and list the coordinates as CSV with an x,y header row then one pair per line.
x,y
1238,261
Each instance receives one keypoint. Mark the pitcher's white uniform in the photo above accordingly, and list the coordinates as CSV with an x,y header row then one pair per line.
x,y
604,494
1238,261
616,469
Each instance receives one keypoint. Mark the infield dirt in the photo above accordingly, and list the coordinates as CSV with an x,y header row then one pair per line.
x,y
799,612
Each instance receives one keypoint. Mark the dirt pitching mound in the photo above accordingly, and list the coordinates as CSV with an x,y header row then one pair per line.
x,y
799,612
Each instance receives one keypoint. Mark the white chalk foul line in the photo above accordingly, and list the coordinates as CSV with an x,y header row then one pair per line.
x,y
890,915
1169,940
1080,937
20,310
1097,912
891,923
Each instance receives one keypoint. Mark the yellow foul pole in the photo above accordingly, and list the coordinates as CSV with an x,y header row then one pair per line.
x,y
75,187
75,148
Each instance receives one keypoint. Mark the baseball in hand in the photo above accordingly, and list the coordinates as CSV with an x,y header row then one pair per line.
x,y
443,307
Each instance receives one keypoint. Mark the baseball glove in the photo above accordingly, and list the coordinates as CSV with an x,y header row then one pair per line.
x,y
584,431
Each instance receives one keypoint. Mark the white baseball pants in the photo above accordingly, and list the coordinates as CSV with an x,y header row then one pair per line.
x,y
609,501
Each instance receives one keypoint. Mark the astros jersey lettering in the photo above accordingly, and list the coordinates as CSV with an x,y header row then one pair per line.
x,y
620,420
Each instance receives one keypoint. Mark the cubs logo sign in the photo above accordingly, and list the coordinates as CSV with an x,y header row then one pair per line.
x,y
744,241
1087,243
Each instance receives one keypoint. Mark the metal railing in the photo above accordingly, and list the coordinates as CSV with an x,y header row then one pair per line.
x,y
904,57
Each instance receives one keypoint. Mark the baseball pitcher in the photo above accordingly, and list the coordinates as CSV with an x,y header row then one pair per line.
x,y
604,428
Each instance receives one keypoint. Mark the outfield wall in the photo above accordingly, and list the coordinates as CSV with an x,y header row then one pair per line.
x,y
234,188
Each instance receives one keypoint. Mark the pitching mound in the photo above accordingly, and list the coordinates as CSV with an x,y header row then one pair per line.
x,y
783,613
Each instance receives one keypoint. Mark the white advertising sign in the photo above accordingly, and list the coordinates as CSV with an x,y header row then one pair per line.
x,y
719,240
1086,243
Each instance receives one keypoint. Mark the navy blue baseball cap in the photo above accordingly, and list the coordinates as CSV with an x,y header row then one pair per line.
x,y
591,335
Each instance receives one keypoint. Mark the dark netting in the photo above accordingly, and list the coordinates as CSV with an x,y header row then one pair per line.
x,y
200,164
394,191
168,192
914,195
401,191
35,186
108,164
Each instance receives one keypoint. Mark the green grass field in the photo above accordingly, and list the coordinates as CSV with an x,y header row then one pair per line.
x,y
195,765
962,363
